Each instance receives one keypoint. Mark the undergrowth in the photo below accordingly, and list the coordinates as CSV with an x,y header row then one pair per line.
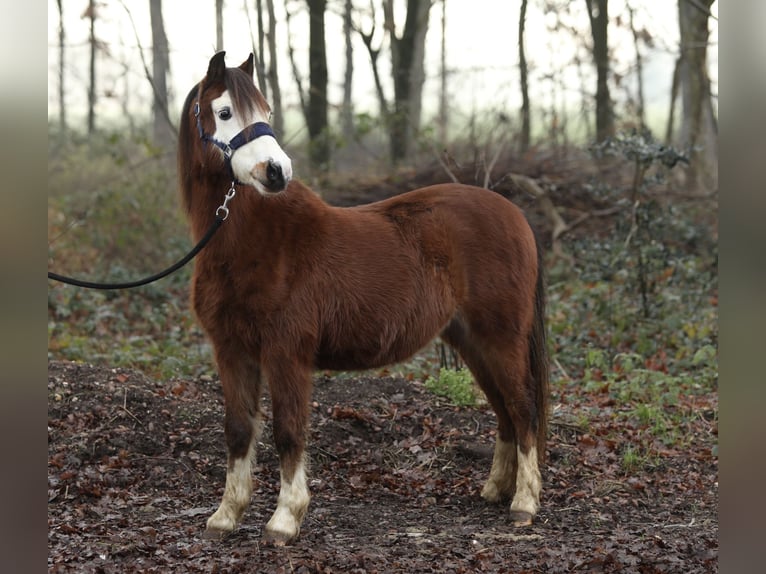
x,y
113,215
455,384
634,320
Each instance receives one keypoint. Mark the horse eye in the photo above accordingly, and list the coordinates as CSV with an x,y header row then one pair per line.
x,y
225,114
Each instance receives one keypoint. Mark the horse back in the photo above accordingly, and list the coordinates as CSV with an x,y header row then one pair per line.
x,y
474,231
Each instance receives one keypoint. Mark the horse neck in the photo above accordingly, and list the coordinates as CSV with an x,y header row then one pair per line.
x,y
255,220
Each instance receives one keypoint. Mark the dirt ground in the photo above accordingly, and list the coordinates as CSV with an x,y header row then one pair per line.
x,y
135,467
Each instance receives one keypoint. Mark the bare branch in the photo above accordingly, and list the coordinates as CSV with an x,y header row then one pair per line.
x,y
147,73
444,165
491,165
258,56
294,65
531,187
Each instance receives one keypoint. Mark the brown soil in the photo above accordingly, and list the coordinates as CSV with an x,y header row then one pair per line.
x,y
135,467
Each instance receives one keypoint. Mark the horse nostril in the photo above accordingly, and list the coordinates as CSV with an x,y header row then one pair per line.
x,y
274,176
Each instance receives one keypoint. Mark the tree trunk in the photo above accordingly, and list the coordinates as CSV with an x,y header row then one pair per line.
x,y
443,108
347,108
525,126
261,68
257,49
673,97
699,129
62,103
374,53
278,121
639,72
407,54
92,72
599,22
316,112
161,128
218,25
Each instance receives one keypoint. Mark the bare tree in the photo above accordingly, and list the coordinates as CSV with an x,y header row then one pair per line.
x,y
443,108
257,50
161,66
62,43
297,76
407,55
639,68
218,25
699,127
525,113
161,128
316,111
278,121
368,38
258,53
90,13
347,108
599,23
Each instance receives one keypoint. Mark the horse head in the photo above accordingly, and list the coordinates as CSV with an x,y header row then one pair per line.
x,y
232,121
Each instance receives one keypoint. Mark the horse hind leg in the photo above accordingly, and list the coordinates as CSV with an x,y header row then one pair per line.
x,y
241,383
501,483
515,470
526,501
515,383
501,375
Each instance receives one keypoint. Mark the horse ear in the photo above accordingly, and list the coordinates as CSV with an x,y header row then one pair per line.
x,y
216,68
248,66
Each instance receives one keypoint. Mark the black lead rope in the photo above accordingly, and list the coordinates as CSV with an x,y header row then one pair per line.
x,y
146,280
248,134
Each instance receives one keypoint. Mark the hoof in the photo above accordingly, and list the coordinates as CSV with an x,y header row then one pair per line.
x,y
521,518
278,538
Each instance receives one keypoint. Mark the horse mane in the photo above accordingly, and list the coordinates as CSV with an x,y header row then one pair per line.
x,y
246,99
244,95
186,148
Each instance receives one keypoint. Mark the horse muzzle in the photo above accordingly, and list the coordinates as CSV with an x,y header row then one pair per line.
x,y
269,176
276,179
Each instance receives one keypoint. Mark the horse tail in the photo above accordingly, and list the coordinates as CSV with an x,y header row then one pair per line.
x,y
538,357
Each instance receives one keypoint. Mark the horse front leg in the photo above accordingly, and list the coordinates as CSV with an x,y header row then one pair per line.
x,y
290,393
242,426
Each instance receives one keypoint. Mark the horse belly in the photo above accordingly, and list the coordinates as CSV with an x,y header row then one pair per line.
x,y
374,342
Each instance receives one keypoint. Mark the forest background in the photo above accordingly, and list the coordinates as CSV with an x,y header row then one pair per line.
x,y
599,117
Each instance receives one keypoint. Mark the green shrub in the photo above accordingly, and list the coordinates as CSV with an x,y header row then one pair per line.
x,y
456,385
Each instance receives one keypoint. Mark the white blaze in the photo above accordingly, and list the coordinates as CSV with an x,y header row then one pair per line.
x,y
250,158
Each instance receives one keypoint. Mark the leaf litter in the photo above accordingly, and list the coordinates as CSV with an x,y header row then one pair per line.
x,y
135,467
